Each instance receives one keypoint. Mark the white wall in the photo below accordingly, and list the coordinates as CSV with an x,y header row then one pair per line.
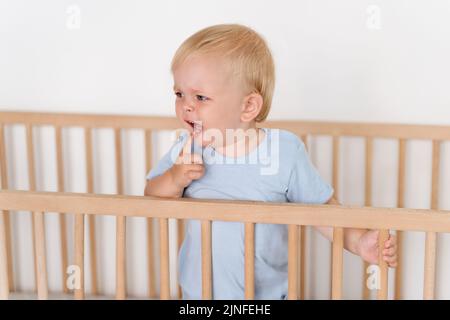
x,y
335,61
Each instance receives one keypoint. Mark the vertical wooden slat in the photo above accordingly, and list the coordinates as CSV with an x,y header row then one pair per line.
x,y
38,225
369,167
383,267
31,187
180,238
4,259
249,261
430,241
400,204
150,242
42,288
336,166
62,216
151,260
118,153
120,259
435,175
164,263
4,282
368,202
6,214
336,279
335,183
430,266
293,252
120,224
79,254
180,231
206,261
302,237
91,218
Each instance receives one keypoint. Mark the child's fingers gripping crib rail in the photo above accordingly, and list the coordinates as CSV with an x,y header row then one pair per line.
x,y
149,125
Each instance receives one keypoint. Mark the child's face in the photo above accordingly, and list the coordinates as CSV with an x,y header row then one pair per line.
x,y
206,93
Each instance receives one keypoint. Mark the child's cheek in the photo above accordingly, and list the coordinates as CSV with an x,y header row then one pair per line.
x,y
178,109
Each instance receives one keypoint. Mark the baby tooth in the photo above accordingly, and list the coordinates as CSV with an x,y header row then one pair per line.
x,y
197,126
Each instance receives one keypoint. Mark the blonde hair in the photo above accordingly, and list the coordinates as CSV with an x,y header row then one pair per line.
x,y
246,50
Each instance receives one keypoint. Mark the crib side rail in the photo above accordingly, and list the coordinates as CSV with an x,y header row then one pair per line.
x,y
304,129
249,212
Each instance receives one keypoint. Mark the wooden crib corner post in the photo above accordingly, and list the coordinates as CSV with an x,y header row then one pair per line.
x,y
4,281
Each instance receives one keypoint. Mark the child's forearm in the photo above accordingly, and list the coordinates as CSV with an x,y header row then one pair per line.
x,y
163,186
351,236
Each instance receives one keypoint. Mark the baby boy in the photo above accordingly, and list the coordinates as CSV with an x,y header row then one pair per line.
x,y
224,79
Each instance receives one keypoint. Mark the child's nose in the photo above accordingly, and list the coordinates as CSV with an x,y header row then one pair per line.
x,y
189,107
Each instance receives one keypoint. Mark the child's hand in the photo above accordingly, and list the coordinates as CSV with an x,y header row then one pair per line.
x,y
188,167
368,248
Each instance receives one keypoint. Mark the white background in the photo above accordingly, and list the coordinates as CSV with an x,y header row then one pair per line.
x,y
335,60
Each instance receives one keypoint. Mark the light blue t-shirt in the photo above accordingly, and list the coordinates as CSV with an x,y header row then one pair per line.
x,y
278,170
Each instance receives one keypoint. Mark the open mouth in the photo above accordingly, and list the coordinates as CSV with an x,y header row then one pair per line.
x,y
195,125
191,123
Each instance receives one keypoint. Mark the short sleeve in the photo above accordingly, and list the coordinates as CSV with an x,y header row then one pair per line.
x,y
305,183
168,159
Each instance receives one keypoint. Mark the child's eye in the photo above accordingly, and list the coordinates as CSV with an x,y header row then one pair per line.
x,y
202,98
178,94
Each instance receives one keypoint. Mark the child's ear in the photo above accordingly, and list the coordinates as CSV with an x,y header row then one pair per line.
x,y
251,107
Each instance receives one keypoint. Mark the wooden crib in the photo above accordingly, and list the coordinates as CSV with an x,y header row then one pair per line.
x,y
86,206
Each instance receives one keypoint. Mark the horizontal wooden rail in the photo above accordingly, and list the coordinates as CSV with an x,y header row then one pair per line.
x,y
363,129
377,130
229,210
90,120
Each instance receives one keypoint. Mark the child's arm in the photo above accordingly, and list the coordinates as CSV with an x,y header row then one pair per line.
x,y
163,186
171,183
364,242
